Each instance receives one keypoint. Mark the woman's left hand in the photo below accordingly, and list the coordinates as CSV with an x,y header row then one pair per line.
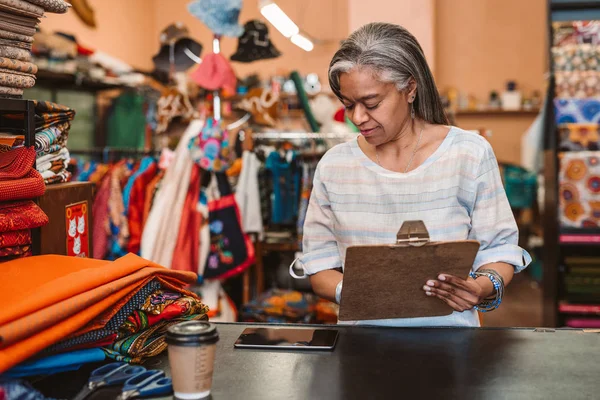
x,y
458,293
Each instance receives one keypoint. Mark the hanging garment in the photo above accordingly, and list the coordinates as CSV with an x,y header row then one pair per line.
x,y
577,111
579,189
579,137
146,163
101,227
222,308
185,255
60,300
231,250
247,194
137,202
285,172
119,225
160,232
151,192
126,123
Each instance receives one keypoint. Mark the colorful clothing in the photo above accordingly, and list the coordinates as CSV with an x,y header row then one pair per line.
x,y
15,238
579,189
20,215
147,343
584,111
579,137
577,84
576,57
281,306
46,139
137,202
285,172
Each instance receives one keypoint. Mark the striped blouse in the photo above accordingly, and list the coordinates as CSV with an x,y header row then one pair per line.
x,y
457,192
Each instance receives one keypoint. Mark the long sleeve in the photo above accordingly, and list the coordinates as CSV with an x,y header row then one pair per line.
x,y
492,220
319,244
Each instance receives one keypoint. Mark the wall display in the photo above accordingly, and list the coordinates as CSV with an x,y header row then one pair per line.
x,y
77,222
579,192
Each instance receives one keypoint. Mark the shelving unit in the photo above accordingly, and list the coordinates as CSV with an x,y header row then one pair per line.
x,y
25,107
560,243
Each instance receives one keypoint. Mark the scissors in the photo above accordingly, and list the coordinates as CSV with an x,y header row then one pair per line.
x,y
149,383
117,374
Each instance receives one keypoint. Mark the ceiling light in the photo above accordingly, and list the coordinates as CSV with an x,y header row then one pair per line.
x,y
279,19
303,42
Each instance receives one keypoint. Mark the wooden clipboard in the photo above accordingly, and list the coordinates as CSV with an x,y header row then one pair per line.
x,y
386,281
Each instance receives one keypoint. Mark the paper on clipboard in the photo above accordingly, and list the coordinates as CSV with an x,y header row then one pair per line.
x,y
386,281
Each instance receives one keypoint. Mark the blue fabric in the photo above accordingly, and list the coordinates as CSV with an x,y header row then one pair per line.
x,y
144,165
286,187
20,390
112,326
57,363
220,16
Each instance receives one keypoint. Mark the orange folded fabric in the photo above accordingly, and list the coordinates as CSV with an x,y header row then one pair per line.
x,y
63,294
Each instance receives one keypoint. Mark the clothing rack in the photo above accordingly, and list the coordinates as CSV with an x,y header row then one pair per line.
x,y
106,152
302,135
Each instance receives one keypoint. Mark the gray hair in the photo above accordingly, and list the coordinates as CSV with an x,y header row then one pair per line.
x,y
396,56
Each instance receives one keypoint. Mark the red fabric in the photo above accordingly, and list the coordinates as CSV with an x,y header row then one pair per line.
x,y
100,213
15,238
186,254
137,199
16,251
215,73
16,163
29,187
21,215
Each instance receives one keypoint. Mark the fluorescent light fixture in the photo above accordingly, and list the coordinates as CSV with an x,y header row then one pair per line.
x,y
303,42
279,19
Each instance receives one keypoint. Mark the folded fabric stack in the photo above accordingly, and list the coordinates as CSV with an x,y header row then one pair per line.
x,y
18,22
52,122
19,184
81,310
281,306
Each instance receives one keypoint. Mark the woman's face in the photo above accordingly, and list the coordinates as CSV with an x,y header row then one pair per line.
x,y
378,109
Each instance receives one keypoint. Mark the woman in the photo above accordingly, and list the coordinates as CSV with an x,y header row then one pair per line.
x,y
407,164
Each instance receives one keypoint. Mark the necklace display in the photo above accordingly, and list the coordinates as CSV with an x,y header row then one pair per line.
x,y
411,157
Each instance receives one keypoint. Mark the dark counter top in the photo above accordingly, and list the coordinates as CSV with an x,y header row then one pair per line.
x,y
407,363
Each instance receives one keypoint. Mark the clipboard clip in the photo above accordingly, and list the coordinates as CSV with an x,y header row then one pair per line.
x,y
412,233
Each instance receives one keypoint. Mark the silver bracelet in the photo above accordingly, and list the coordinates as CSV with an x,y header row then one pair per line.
x,y
338,292
491,304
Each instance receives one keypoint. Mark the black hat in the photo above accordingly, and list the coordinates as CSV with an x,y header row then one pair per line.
x,y
185,49
255,43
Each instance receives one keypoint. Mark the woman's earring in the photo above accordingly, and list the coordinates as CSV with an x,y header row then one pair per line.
x,y
412,110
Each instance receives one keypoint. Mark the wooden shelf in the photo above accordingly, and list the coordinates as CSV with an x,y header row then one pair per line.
x,y
45,78
493,113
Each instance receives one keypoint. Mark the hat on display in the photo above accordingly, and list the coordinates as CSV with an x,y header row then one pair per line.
x,y
262,104
255,44
220,16
215,73
184,49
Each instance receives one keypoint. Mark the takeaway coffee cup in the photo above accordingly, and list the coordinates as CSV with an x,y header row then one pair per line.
x,y
192,347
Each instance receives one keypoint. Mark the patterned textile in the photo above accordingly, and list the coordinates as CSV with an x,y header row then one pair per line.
x,y
18,66
10,92
575,32
13,79
28,187
579,137
210,148
16,53
20,215
119,225
578,84
157,301
51,136
42,163
15,36
151,191
579,189
21,7
147,343
577,111
112,326
9,141
15,43
61,177
17,163
24,250
140,320
576,57
22,20
51,168
52,6
15,238
18,29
